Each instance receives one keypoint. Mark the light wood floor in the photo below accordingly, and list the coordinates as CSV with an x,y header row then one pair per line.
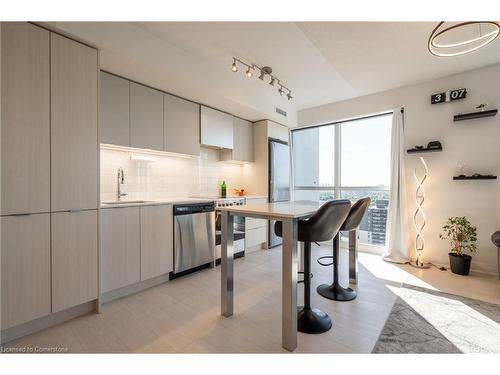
x,y
183,316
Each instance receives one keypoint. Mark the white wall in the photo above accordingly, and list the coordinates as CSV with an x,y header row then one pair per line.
x,y
167,176
474,142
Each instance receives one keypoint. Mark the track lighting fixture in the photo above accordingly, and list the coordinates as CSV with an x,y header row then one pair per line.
x,y
234,67
263,71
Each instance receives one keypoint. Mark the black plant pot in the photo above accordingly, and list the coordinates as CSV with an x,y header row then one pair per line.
x,y
460,264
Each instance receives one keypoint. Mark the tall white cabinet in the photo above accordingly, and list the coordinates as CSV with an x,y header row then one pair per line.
x,y
25,119
49,173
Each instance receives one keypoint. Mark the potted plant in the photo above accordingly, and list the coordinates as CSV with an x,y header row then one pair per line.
x,y
462,236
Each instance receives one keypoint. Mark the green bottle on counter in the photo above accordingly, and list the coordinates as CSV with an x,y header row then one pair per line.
x,y
223,189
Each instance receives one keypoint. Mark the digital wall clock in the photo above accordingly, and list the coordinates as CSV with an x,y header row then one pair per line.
x,y
448,96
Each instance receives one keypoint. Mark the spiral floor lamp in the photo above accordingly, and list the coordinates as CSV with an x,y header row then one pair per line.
x,y
419,219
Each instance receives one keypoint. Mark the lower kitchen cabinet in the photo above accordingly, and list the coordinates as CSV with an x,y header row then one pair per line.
x,y
156,241
74,258
120,247
25,268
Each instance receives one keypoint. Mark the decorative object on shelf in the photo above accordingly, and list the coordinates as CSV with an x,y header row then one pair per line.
x,y
448,96
482,33
419,214
264,71
432,146
462,236
479,114
475,176
239,192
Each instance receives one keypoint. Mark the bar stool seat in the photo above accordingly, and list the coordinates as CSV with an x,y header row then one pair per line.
x,y
335,291
322,226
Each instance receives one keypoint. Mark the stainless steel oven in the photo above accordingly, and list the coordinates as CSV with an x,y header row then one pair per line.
x,y
238,228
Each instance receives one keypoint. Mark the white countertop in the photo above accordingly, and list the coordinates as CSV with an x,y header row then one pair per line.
x,y
289,210
150,202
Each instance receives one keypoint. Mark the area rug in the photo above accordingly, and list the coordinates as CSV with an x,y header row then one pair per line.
x,y
428,321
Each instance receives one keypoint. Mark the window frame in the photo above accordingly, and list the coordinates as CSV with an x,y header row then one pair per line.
x,y
337,188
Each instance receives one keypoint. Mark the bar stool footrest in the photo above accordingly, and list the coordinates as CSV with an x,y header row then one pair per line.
x,y
325,257
302,281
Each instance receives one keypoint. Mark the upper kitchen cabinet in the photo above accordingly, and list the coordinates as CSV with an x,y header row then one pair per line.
x,y
277,131
146,117
114,110
216,128
242,142
181,120
74,131
25,119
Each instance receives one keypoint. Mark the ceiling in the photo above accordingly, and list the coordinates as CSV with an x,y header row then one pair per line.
x,y
322,62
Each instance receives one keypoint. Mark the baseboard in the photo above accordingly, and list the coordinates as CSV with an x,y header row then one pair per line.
x,y
132,289
48,321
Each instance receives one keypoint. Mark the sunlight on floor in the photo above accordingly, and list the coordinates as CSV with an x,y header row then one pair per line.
x,y
390,271
470,330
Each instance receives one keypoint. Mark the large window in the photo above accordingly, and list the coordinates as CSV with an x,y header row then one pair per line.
x,y
348,160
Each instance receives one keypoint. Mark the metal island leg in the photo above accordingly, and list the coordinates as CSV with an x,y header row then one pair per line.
x,y
227,259
289,285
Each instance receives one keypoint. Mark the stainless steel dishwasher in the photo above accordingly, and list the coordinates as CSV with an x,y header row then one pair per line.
x,y
194,237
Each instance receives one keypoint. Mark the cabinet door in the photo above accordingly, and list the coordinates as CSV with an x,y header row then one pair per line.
x,y
216,128
156,241
25,268
74,258
146,117
277,131
243,140
25,140
114,110
181,119
120,247
73,125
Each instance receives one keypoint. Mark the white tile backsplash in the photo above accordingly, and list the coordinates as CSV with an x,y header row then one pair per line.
x,y
167,176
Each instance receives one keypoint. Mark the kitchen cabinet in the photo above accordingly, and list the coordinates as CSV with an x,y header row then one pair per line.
x,y
156,241
25,119
74,258
146,117
114,110
242,142
25,268
181,121
74,132
120,247
216,128
255,229
277,131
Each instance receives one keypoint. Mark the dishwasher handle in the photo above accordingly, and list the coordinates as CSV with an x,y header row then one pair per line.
x,y
194,208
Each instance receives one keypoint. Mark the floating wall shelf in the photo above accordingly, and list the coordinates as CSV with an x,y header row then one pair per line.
x,y
486,177
473,115
425,149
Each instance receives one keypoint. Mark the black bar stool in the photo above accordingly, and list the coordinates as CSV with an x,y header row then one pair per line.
x,y
352,222
322,226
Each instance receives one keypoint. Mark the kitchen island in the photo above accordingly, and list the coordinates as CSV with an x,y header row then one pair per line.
x,y
289,213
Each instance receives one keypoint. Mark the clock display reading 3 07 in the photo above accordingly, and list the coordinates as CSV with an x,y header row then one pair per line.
x,y
448,96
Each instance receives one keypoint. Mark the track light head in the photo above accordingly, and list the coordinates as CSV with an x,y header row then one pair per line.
x,y
261,76
281,91
234,67
272,81
249,72
289,95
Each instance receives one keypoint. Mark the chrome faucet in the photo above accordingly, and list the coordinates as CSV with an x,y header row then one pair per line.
x,y
120,179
